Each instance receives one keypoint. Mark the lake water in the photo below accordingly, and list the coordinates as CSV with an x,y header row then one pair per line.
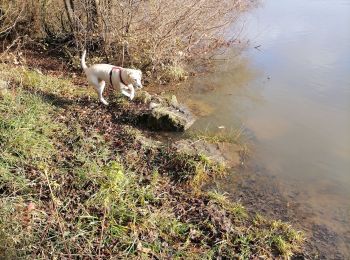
x,y
291,94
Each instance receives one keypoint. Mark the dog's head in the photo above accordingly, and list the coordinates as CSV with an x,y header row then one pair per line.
x,y
135,77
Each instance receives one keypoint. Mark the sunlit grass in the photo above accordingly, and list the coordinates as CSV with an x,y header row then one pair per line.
x,y
33,80
236,209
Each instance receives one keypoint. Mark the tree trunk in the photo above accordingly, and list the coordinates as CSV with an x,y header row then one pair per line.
x,y
70,12
36,18
93,16
75,25
98,13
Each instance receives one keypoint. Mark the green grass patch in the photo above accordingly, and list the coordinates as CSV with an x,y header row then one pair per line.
x,y
34,80
194,170
26,138
236,209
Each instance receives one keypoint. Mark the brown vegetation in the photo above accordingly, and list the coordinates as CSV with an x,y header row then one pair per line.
x,y
161,37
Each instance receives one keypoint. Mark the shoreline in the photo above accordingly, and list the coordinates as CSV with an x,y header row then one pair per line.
x,y
268,195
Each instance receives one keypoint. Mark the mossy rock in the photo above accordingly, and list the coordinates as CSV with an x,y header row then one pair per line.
x,y
143,97
223,152
167,119
165,114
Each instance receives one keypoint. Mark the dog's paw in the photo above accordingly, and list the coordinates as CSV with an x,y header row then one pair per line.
x,y
125,93
104,102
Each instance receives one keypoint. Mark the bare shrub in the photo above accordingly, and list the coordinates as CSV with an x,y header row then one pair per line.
x,y
158,36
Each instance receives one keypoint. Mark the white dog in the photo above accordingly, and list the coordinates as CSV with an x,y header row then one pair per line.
x,y
99,74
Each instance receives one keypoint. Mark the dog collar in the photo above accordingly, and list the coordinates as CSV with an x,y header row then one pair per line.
x,y
120,75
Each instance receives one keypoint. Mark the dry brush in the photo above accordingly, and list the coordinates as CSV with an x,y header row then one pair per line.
x,y
158,36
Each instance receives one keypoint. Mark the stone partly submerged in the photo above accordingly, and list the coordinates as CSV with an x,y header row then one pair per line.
x,y
163,114
221,153
224,153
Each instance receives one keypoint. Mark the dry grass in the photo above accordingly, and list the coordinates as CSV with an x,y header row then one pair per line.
x,y
160,37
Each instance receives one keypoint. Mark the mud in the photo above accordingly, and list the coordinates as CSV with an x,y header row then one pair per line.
x,y
266,195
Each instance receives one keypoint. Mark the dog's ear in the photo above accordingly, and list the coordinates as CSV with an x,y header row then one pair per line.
x,y
128,72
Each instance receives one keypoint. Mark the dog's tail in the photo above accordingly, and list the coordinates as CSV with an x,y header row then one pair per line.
x,y
83,63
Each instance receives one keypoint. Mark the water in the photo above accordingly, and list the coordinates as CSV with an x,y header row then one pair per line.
x,y
292,94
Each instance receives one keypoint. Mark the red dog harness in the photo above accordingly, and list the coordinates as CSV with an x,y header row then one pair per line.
x,y
120,75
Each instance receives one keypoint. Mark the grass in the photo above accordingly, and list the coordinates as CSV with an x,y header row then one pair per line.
x,y
33,80
74,183
233,136
194,170
236,209
175,73
23,138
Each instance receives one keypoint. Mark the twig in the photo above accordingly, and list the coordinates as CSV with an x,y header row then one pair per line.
x,y
10,46
257,47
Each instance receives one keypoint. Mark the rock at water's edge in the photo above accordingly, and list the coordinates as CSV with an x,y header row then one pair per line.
x,y
226,153
165,115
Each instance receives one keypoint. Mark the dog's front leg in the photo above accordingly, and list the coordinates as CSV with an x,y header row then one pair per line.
x,y
130,95
132,92
124,92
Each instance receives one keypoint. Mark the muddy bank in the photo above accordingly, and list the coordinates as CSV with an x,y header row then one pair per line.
x,y
267,195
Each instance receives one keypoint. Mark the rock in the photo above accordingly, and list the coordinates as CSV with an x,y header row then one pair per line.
x,y
159,100
167,118
143,141
173,101
225,153
164,114
143,97
200,108
153,105
147,143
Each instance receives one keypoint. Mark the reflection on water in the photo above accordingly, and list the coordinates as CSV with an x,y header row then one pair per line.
x,y
293,94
